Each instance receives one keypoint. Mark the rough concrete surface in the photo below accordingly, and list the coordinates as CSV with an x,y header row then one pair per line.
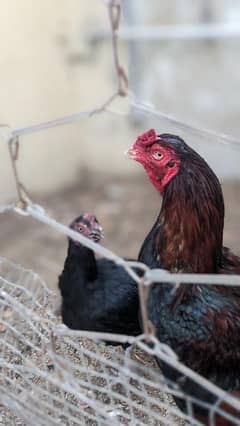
x,y
125,206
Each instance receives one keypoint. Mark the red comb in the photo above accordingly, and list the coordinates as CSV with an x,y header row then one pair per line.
x,y
89,216
147,137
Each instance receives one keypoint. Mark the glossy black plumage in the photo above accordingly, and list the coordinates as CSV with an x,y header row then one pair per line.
x,y
200,323
97,295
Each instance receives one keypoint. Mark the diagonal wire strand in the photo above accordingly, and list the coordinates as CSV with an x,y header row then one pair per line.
x,y
27,208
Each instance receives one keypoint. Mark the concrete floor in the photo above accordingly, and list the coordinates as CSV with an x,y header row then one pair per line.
x,y
126,208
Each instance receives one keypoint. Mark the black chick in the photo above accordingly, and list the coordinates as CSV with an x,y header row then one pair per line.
x,y
97,295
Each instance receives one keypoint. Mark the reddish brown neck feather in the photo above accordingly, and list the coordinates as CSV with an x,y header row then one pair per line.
x,y
187,244
191,222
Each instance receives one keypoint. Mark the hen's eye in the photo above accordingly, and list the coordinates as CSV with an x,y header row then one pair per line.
x,y
80,228
157,155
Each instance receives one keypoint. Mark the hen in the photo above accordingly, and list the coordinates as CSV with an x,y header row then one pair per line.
x,y
97,295
200,323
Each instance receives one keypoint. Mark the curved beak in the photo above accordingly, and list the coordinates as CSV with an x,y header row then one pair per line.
x,y
131,153
97,234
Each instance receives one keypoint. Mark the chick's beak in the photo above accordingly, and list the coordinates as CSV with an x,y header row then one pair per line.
x,y
131,153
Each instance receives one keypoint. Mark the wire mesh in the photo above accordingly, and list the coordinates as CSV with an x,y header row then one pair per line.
x,y
51,375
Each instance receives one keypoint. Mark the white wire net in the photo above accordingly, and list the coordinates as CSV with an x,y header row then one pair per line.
x,y
51,375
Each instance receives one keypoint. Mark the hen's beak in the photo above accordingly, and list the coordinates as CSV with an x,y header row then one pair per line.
x,y
131,153
101,232
97,234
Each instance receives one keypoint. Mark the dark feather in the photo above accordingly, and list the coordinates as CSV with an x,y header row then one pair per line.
x,y
97,295
200,323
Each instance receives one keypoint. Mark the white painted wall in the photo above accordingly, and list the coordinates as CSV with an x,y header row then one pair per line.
x,y
38,82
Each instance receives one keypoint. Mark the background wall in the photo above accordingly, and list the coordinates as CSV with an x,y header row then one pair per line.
x,y
49,69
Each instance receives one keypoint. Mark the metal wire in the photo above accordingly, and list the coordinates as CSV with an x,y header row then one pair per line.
x,y
51,375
